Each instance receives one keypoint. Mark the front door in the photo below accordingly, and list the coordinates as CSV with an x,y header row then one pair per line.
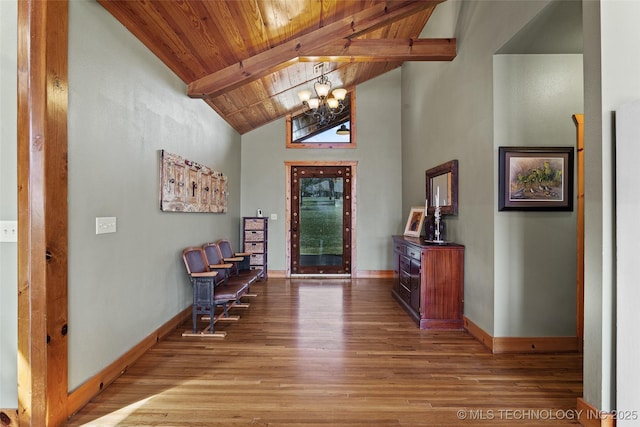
x,y
320,219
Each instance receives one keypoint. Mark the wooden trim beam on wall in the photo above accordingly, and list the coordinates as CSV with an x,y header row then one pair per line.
x,y
589,416
94,385
501,345
42,212
279,57
383,50
578,119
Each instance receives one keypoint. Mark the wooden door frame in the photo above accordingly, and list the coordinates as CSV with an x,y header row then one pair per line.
x,y
42,212
353,165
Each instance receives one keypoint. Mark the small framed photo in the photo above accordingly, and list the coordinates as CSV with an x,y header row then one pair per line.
x,y
535,178
414,222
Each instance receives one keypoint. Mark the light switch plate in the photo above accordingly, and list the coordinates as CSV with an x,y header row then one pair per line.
x,y
274,217
105,224
8,231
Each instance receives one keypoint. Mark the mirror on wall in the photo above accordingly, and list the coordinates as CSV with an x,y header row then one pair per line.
x,y
442,188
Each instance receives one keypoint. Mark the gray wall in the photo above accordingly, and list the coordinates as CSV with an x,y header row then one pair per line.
x,y
611,81
535,252
8,204
124,107
598,334
628,246
378,153
448,114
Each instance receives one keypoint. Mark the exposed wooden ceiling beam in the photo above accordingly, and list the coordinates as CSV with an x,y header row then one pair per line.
x,y
383,50
283,55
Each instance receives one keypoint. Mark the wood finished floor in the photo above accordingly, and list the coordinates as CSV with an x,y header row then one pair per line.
x,y
335,353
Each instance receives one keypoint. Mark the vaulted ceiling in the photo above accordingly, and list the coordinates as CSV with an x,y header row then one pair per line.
x,y
248,59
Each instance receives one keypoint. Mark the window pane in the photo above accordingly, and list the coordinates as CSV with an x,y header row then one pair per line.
x,y
321,211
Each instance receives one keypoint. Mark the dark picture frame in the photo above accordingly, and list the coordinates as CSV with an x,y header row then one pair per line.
x,y
535,178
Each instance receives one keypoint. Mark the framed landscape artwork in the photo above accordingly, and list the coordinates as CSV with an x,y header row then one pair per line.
x,y
535,178
414,222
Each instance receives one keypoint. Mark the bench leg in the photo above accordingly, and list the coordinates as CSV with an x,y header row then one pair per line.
x,y
195,319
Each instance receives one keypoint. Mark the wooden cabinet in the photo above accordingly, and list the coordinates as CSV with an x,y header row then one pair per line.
x,y
254,240
429,281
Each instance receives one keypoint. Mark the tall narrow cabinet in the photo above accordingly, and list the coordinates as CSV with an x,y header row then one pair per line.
x,y
254,240
429,281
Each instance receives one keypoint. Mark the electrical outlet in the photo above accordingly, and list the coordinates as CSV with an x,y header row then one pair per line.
x,y
8,231
274,217
105,224
317,69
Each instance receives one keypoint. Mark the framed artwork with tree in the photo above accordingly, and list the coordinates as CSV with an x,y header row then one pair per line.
x,y
535,178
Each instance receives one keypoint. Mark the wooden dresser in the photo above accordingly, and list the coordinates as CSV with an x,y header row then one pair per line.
x,y
254,240
429,281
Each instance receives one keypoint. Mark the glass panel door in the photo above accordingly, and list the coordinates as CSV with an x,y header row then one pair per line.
x,y
320,221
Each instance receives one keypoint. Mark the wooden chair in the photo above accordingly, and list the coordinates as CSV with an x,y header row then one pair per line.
x,y
215,261
240,260
207,296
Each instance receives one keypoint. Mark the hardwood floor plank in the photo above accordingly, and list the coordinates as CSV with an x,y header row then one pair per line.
x,y
335,353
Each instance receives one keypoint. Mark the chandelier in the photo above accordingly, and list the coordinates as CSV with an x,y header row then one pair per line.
x,y
327,104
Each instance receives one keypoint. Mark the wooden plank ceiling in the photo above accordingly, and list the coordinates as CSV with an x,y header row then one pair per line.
x,y
248,59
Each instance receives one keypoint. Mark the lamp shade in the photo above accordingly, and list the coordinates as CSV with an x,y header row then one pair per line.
x,y
322,89
304,95
343,130
314,103
339,94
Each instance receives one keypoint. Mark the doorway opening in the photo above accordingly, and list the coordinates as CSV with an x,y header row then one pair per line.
x,y
320,218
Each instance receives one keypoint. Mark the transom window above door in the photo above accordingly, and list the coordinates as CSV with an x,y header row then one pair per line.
x,y
304,130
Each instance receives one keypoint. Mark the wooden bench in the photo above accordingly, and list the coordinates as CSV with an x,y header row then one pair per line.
x,y
226,269
240,261
210,292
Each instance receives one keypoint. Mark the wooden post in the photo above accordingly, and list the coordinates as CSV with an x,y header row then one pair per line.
x,y
578,119
42,212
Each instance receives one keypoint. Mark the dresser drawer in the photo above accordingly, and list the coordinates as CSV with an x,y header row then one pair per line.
x,y
254,224
253,236
399,249
404,293
405,265
413,252
254,247
254,241
405,279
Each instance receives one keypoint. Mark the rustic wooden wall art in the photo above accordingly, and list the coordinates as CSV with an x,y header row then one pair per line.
x,y
187,186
